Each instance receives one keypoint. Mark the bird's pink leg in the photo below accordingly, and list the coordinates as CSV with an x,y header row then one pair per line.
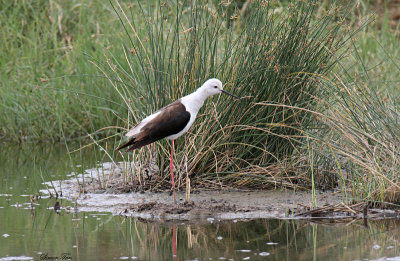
x,y
171,166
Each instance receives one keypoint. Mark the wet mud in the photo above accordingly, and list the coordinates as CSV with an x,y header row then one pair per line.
x,y
203,205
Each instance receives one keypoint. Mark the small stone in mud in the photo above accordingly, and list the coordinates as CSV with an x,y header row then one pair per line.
x,y
376,247
57,206
189,204
224,208
145,206
216,201
178,210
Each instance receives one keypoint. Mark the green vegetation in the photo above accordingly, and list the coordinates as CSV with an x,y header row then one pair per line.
x,y
319,107
48,89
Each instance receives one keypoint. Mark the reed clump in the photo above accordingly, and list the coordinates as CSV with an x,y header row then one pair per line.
x,y
269,59
361,141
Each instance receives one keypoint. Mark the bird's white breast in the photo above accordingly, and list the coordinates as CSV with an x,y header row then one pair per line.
x,y
192,103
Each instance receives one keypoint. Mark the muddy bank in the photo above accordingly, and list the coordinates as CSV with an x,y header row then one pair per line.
x,y
204,205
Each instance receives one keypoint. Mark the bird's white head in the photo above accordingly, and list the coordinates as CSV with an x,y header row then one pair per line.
x,y
213,86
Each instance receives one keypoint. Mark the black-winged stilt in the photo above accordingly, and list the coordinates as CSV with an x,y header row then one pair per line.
x,y
172,121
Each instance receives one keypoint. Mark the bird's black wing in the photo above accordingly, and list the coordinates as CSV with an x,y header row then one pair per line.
x,y
171,120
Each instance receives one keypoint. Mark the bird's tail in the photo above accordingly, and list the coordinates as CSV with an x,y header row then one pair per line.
x,y
129,143
134,143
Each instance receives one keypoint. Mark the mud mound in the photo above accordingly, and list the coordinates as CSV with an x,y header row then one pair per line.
x,y
88,192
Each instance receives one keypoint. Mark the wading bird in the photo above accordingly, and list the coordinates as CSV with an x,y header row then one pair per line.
x,y
172,121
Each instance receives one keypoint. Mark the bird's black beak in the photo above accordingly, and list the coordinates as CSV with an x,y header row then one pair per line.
x,y
223,91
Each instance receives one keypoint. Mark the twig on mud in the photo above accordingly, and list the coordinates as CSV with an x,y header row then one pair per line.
x,y
347,207
330,209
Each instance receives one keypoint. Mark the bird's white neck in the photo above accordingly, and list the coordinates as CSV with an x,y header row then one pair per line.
x,y
195,100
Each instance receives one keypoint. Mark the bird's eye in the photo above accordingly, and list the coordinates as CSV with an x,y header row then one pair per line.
x,y
215,87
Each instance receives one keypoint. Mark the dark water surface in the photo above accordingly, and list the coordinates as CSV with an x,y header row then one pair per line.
x,y
40,233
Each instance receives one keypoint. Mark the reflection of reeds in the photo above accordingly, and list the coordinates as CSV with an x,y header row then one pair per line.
x,y
294,239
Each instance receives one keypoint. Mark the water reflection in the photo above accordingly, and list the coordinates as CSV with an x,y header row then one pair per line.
x,y
50,227
97,236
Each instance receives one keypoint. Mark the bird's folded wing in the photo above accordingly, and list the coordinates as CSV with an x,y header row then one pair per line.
x,y
168,121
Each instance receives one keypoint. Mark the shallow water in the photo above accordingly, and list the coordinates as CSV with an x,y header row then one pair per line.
x,y
40,233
